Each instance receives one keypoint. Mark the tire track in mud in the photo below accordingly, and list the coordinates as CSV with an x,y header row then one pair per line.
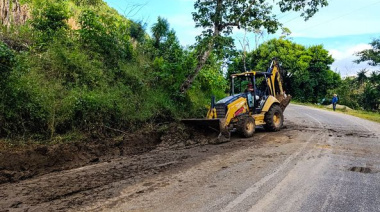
x,y
201,176
255,187
87,186
329,141
75,188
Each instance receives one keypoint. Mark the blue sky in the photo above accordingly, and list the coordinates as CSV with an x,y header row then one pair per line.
x,y
344,27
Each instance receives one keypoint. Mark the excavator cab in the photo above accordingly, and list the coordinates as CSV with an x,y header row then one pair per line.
x,y
256,99
254,86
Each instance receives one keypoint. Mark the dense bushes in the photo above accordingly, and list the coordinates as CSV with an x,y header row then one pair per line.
x,y
360,92
80,66
106,73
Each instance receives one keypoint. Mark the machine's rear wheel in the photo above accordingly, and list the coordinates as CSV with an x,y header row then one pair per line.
x,y
247,126
274,118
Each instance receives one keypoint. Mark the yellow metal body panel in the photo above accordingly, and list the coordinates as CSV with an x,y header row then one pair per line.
x,y
276,96
248,73
259,118
275,77
268,103
233,107
211,114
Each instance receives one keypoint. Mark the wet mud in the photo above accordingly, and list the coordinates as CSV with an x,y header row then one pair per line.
x,y
69,177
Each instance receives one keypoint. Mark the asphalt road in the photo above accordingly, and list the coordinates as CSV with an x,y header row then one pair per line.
x,y
321,161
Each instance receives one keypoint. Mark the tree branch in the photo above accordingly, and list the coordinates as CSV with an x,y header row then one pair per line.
x,y
237,22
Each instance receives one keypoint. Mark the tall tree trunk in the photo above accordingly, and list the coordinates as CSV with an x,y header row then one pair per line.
x,y
201,62
206,54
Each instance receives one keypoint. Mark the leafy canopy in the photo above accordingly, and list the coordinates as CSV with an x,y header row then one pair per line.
x,y
372,56
306,71
219,17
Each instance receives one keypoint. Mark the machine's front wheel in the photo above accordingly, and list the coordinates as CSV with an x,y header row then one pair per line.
x,y
247,126
274,118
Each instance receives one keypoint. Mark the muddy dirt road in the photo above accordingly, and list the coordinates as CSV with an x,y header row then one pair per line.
x,y
320,161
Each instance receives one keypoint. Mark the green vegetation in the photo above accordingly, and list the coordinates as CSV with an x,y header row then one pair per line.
x,y
218,19
360,92
308,78
363,91
306,72
78,68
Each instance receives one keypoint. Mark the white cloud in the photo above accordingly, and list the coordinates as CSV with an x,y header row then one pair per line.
x,y
344,58
347,52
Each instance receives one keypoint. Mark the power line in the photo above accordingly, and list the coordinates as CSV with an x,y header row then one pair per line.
x,y
290,20
333,19
285,15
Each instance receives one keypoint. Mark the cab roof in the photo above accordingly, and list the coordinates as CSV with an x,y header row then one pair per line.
x,y
250,73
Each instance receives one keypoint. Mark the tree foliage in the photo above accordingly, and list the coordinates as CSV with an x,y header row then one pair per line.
x,y
6,61
107,73
102,35
88,2
218,18
372,56
306,72
137,31
160,30
367,88
49,20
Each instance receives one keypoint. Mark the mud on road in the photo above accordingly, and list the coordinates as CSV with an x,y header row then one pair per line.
x,y
69,176
77,176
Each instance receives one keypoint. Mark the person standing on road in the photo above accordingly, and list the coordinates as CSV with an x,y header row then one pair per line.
x,y
334,101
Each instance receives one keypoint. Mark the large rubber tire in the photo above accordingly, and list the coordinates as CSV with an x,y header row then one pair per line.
x,y
247,126
274,119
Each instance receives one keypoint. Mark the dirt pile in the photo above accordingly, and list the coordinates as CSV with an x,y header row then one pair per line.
x,y
18,165
340,107
23,164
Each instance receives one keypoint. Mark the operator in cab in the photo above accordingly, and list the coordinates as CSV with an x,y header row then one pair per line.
x,y
250,92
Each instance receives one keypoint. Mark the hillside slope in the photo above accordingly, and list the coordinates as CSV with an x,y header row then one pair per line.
x,y
80,68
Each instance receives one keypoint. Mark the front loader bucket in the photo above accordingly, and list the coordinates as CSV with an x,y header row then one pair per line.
x,y
207,125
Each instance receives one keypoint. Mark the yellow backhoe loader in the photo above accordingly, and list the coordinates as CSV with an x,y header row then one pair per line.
x,y
256,98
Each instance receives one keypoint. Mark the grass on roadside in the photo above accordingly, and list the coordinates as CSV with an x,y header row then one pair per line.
x,y
372,116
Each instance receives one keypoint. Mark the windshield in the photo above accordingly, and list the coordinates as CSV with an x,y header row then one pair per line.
x,y
261,86
240,84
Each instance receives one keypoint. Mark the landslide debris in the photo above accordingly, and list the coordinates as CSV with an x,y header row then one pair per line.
x,y
19,164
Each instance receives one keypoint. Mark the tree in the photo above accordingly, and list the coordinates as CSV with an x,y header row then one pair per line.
x,y
370,98
372,56
160,30
104,35
319,69
88,2
305,71
49,20
137,30
218,18
362,77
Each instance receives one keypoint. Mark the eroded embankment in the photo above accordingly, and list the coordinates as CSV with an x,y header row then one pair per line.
x,y
16,165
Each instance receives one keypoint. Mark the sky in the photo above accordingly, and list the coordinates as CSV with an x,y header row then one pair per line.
x,y
343,27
